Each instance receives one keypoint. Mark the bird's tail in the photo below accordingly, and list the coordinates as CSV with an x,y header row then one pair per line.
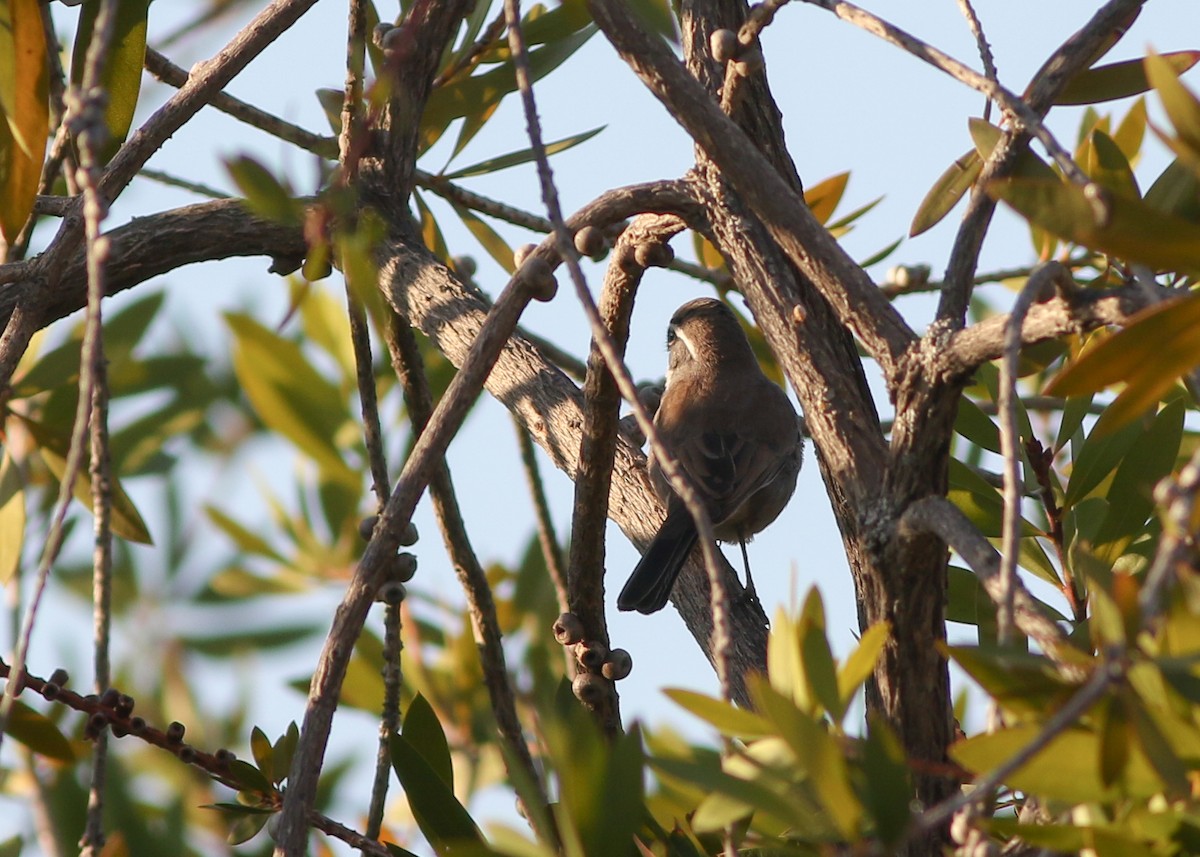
x,y
649,587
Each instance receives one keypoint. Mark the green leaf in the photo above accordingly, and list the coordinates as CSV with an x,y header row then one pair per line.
x,y
1126,228
1099,456
968,602
53,447
121,77
524,156
976,426
946,192
1026,684
1149,354
430,231
816,656
987,136
1107,165
480,93
38,733
727,718
24,111
1067,769
262,751
265,195
1130,497
288,394
442,819
245,539
424,732
223,645
1176,192
1118,80
656,16
12,517
887,789
489,238
817,754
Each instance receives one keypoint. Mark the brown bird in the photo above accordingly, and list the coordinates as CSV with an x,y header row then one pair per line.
x,y
732,431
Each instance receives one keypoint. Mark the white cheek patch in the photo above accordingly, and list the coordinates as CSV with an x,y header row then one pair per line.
x,y
673,363
688,344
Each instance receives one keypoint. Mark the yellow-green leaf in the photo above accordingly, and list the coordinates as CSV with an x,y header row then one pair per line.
x,y
12,518
121,77
1118,80
946,192
53,447
287,393
1126,228
1182,106
861,662
24,111
524,156
726,717
489,238
39,734
1106,165
1156,347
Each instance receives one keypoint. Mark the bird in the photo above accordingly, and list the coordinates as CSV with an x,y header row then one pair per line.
x,y
732,431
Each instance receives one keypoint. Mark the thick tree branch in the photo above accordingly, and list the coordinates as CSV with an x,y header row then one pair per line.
x,y
857,301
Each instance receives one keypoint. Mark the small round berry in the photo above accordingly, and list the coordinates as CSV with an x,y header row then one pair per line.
x,y
591,654
538,277
522,253
366,527
654,255
723,44
588,689
568,630
617,665
590,242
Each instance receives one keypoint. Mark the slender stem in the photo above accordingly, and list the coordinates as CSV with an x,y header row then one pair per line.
x,y
985,50
551,550
566,250
1010,448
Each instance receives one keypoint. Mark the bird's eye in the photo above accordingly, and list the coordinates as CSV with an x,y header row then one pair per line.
x,y
670,336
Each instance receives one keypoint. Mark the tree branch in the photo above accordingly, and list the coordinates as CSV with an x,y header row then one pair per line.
x,y
857,301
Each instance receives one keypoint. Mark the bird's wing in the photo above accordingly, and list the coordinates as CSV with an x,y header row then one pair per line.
x,y
727,468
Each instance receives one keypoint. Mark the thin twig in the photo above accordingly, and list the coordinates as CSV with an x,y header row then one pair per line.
x,y
485,623
1037,288
1177,545
566,251
939,516
1066,717
1022,114
172,75
985,50
114,711
551,550
470,59
351,615
87,109
360,338
1074,55
169,180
